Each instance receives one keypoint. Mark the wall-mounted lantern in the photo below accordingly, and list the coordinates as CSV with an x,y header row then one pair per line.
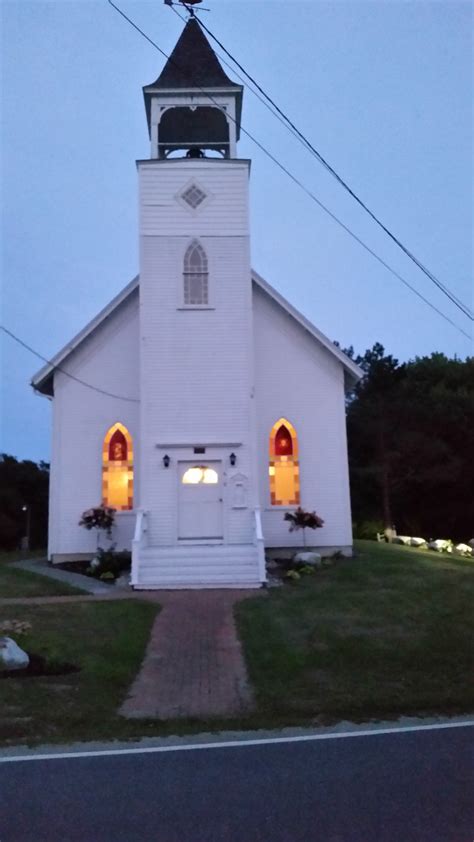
x,y
232,459
166,460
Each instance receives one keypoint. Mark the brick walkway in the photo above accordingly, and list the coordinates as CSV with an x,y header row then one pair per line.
x,y
193,665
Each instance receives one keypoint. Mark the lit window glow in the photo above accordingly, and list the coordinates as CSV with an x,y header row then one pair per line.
x,y
200,474
283,469
117,468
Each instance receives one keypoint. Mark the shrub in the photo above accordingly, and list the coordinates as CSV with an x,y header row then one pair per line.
x,y
109,562
306,570
368,529
292,575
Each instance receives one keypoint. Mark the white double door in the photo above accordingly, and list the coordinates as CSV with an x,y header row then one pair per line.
x,y
200,500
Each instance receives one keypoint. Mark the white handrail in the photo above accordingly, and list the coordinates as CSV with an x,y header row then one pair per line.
x,y
260,541
138,543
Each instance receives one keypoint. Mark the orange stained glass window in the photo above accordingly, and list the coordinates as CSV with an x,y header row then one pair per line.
x,y
117,468
283,468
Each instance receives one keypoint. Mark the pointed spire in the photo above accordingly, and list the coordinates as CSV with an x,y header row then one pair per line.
x,y
193,63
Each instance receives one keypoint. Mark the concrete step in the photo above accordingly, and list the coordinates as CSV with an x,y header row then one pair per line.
x,y
199,551
172,579
199,566
190,561
190,586
239,571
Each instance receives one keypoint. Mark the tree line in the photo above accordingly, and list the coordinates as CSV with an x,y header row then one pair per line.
x,y
411,445
23,502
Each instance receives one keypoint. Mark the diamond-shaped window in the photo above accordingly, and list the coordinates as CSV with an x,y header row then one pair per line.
x,y
193,196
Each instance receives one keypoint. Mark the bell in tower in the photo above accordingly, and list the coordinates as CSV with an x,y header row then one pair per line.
x,y
193,108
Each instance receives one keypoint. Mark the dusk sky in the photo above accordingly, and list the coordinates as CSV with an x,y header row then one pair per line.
x,y
383,90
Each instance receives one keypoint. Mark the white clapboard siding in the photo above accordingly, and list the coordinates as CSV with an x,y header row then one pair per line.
x,y
108,359
196,376
224,213
297,378
218,376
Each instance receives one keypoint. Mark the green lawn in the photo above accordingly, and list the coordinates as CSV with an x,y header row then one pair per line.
x,y
22,583
388,632
107,640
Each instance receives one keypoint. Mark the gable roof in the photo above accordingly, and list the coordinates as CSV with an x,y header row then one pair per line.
x,y
193,63
43,379
351,370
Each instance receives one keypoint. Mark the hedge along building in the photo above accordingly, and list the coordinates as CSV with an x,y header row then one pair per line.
x,y
219,407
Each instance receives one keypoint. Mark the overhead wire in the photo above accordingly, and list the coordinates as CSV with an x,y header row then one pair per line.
x,y
63,370
247,84
310,147
297,181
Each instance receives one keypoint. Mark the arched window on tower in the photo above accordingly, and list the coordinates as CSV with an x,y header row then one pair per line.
x,y
195,276
283,470
117,468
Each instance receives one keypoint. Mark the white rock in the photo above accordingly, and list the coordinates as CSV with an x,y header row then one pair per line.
x,y
471,543
274,582
123,581
441,545
272,564
401,539
464,548
418,542
313,559
11,656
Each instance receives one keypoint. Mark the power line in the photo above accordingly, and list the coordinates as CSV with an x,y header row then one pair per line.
x,y
304,140
296,181
63,371
248,85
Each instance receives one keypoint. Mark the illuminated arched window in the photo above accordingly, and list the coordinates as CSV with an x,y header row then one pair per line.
x,y
117,468
283,470
195,275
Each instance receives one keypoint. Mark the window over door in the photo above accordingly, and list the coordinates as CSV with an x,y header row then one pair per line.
x,y
195,276
117,468
283,468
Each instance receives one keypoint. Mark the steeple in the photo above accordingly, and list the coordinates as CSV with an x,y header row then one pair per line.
x,y
193,106
193,63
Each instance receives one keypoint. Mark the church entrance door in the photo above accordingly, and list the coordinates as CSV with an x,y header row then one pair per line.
x,y
200,501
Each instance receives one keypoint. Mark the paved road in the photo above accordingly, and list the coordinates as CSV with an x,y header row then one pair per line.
x,y
402,787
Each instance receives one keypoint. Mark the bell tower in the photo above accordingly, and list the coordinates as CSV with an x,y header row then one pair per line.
x,y
198,455
193,107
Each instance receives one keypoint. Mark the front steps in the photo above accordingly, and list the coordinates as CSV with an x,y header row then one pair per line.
x,y
198,566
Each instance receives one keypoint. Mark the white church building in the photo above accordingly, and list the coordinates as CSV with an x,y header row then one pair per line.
x,y
217,406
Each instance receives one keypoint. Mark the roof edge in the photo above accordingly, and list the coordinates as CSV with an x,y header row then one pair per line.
x,y
41,381
351,368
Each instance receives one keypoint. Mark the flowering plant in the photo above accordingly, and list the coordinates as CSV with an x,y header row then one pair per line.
x,y
99,517
301,519
15,626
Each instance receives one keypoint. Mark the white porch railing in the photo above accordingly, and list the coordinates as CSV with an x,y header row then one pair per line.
x,y
260,542
138,543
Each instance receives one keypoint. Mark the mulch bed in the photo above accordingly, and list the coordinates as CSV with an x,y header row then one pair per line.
x,y
74,566
39,666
